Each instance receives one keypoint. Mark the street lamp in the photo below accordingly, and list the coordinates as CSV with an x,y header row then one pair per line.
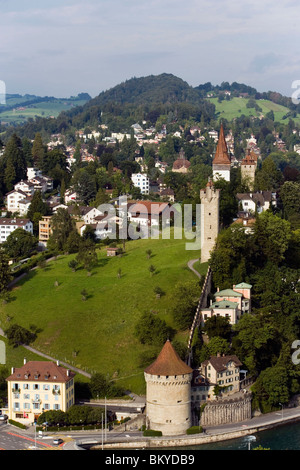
x,y
281,410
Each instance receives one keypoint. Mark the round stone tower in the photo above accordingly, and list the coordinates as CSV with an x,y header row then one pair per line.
x,y
168,395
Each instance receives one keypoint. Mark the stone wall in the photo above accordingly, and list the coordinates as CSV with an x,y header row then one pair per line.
x,y
226,411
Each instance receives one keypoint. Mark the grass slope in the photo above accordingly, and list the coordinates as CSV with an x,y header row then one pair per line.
x,y
100,329
45,109
238,106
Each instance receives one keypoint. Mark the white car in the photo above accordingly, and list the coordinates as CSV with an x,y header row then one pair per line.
x,y
3,417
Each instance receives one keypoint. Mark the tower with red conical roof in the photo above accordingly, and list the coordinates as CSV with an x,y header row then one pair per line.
x,y
221,162
168,396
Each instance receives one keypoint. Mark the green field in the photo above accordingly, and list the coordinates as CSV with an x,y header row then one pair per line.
x,y
100,329
44,109
238,106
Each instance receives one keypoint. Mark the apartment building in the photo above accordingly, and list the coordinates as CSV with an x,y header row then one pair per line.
x,y
9,225
44,230
39,386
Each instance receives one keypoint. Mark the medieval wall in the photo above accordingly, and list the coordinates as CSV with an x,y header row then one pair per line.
x,y
227,411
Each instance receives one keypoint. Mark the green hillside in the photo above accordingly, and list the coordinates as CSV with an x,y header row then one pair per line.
x,y
18,109
101,328
235,107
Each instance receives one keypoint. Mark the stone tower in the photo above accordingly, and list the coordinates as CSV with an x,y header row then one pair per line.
x,y
221,163
168,395
248,169
210,203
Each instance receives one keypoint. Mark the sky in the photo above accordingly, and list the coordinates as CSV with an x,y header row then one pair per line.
x,y
65,47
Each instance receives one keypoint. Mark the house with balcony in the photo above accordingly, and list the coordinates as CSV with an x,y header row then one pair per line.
x,y
36,387
45,230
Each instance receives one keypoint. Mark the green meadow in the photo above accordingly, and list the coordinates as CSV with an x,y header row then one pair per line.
x,y
96,334
46,109
238,106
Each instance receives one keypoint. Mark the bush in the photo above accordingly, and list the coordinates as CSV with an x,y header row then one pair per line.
x,y
194,430
152,432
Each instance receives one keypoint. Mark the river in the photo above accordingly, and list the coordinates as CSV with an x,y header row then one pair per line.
x,y
286,437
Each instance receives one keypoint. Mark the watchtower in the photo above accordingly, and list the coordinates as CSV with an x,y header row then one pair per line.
x,y
210,205
168,396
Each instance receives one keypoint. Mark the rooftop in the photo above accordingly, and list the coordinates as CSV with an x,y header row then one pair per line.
x,y
168,363
39,371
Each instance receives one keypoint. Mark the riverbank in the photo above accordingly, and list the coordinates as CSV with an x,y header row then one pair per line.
x,y
212,435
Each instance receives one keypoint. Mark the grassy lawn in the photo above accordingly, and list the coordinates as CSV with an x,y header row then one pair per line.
x,y
100,329
238,106
43,109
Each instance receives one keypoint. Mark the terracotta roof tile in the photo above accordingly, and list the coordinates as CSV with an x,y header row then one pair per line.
x,y
37,370
168,363
221,155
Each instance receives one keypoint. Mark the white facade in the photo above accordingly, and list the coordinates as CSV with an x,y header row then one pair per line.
x,y
141,181
219,174
8,226
26,187
32,173
13,199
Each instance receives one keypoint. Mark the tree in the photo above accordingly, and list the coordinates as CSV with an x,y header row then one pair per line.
x,y
20,244
37,209
87,255
289,194
73,265
85,185
18,335
268,178
185,301
256,341
62,226
152,269
15,162
5,273
38,151
272,236
271,388
217,327
150,329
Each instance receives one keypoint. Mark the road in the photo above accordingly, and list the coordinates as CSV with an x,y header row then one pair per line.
x,y
12,439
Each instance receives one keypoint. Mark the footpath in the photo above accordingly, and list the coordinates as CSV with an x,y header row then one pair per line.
x,y
120,440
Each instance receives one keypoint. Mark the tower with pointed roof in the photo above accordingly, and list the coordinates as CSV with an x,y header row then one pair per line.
x,y
248,169
168,395
209,230
221,163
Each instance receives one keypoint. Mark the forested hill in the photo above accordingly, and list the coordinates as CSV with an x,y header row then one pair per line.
x,y
144,98
148,98
164,88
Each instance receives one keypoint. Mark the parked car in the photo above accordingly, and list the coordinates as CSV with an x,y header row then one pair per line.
x,y
3,417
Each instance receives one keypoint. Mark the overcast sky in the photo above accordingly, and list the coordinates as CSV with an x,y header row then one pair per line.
x,y
64,47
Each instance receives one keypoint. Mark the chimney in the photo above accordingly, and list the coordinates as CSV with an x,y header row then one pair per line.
x,y
57,363
25,360
68,373
12,370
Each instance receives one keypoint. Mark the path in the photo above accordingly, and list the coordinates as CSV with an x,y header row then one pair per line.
x,y
191,266
39,353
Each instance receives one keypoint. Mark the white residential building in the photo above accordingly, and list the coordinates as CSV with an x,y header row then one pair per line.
x,y
26,186
33,173
13,199
9,225
141,181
